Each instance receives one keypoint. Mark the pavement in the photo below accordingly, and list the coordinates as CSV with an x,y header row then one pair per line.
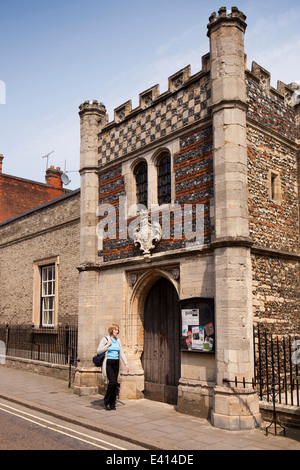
x,y
149,424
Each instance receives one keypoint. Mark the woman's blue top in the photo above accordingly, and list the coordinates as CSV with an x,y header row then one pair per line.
x,y
114,349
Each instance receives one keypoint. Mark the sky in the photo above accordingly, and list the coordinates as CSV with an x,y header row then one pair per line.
x,y
54,55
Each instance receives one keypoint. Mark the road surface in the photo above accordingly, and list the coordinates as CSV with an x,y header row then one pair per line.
x,y
24,429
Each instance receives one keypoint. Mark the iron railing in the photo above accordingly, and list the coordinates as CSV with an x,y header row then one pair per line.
x,y
276,357
55,345
277,363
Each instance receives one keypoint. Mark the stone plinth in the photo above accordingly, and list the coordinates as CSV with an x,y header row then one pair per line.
x,y
87,381
235,409
131,386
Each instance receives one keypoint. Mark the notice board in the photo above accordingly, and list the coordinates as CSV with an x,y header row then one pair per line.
x,y
197,325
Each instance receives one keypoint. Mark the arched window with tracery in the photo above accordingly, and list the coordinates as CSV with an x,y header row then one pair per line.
x,y
141,178
164,179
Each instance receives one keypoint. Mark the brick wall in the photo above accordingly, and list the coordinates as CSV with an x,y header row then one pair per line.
x,y
18,195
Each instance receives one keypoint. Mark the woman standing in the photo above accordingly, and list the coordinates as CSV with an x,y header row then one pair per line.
x,y
113,353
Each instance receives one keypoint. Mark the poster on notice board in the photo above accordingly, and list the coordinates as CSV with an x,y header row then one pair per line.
x,y
197,325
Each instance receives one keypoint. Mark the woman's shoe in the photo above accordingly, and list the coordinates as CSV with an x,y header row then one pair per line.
x,y
107,407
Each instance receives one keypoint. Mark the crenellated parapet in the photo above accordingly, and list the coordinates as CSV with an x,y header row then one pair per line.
x,y
92,107
290,92
285,92
177,80
225,15
263,76
92,113
121,112
158,115
152,95
269,106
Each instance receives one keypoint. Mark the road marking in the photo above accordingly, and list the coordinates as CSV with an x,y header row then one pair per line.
x,y
58,426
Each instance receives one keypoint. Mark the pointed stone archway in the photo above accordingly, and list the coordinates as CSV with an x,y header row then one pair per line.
x,y
161,356
140,284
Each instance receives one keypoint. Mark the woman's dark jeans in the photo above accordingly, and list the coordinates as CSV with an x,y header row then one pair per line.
x,y
112,372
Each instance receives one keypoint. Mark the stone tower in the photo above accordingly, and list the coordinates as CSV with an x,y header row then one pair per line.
x,y
92,114
232,256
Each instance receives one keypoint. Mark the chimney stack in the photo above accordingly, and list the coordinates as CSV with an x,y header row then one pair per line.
x,y
53,177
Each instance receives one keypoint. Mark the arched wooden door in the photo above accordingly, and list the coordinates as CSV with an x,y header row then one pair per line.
x,y
162,342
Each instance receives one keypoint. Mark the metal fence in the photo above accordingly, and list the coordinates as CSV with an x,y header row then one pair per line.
x,y
57,345
276,357
277,360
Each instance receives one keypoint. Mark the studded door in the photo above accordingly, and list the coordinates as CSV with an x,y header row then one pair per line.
x,y
162,343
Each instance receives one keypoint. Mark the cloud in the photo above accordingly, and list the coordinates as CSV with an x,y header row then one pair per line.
x,y
273,41
282,61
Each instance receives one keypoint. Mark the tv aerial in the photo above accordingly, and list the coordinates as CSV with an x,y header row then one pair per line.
x,y
47,156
